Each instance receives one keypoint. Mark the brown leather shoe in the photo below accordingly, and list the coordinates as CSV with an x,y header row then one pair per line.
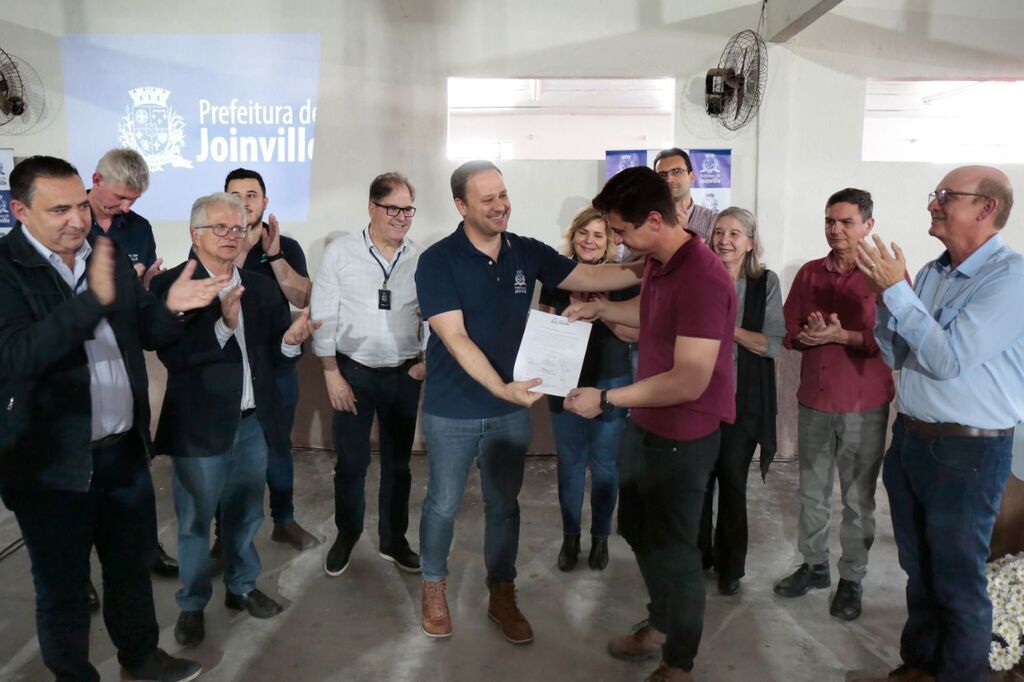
x,y
502,610
437,621
666,674
643,642
295,535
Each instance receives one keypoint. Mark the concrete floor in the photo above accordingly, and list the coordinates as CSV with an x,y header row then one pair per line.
x,y
364,625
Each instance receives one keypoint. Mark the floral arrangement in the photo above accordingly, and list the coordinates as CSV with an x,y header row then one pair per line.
x,y
1006,591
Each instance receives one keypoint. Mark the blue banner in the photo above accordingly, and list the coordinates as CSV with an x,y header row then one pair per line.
x,y
6,215
196,107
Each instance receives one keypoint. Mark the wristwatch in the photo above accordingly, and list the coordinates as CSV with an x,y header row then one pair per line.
x,y
270,259
606,405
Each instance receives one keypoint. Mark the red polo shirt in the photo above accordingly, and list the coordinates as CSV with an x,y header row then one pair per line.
x,y
690,295
836,378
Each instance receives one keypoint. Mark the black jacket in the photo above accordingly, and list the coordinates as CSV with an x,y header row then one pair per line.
x,y
202,404
45,405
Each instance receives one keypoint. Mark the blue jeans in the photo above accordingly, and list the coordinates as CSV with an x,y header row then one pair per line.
x,y
280,469
118,516
944,495
595,442
499,445
235,481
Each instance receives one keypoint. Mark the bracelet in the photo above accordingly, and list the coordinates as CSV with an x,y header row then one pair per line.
x,y
270,259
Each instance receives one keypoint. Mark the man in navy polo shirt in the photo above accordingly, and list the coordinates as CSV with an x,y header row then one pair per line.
x,y
120,178
475,287
686,313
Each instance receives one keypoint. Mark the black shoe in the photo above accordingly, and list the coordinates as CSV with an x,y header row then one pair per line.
x,y
190,628
707,561
162,668
164,565
846,602
728,586
803,580
291,533
94,598
569,554
598,558
216,558
402,556
255,602
338,556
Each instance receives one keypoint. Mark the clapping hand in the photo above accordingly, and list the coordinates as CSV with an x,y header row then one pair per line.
x,y
271,237
302,328
881,269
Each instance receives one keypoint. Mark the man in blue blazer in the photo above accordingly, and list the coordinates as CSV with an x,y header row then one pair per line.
x,y
219,414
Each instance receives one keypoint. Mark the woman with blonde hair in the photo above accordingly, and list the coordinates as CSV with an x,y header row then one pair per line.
x,y
590,442
760,328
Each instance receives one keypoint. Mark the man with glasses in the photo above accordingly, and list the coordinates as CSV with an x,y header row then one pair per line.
x,y
280,258
674,166
958,339
844,394
369,346
221,413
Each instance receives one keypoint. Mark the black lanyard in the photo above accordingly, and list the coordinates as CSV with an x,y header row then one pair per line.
x,y
384,271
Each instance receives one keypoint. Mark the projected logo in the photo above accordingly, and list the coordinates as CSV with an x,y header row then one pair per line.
x,y
216,106
152,128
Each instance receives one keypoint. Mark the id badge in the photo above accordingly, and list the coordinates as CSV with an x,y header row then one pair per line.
x,y
383,299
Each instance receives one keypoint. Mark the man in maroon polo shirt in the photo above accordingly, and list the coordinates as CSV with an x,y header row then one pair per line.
x,y
686,313
844,395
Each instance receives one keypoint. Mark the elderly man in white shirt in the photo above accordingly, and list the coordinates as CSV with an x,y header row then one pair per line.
x,y
369,345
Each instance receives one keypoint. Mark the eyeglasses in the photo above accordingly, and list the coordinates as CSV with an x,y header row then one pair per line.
x,y
943,195
393,211
222,230
674,172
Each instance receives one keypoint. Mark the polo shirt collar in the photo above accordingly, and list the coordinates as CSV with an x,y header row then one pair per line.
x,y
678,257
462,241
974,262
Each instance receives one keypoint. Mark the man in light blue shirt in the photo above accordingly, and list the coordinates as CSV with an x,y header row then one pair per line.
x,y
959,342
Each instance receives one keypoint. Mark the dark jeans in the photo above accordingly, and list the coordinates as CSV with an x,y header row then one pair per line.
x,y
118,516
661,496
280,469
944,496
593,443
729,546
393,396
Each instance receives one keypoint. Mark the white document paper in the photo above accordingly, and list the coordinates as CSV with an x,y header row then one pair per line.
x,y
552,349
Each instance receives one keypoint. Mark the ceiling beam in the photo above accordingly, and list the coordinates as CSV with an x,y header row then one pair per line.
x,y
786,18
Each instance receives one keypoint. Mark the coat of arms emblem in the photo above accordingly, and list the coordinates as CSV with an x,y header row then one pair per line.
x,y
152,128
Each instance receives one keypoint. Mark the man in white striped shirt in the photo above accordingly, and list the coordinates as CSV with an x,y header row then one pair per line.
x,y
369,346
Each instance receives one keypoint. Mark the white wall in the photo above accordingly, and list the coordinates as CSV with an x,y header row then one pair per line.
x,y
382,99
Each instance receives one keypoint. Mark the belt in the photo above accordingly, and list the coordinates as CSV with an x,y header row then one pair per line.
x,y
346,360
109,441
944,430
247,413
